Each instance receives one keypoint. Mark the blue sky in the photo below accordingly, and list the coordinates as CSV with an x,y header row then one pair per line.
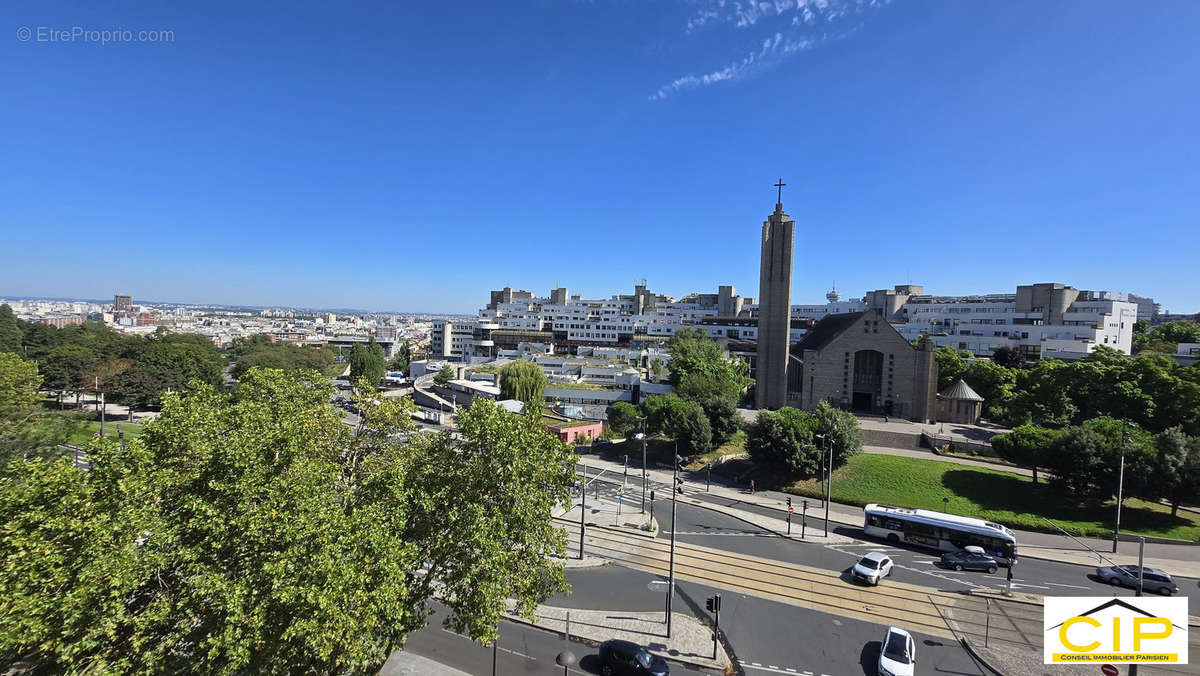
x,y
412,156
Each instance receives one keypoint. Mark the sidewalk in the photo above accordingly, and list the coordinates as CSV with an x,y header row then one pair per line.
x,y
402,663
691,641
1179,560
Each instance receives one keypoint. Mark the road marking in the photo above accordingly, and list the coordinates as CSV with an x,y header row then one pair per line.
x,y
775,669
1072,586
519,654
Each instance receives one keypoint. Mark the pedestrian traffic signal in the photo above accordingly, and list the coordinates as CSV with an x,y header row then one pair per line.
x,y
679,485
713,603
789,500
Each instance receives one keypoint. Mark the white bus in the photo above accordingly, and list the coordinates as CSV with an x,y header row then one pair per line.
x,y
941,531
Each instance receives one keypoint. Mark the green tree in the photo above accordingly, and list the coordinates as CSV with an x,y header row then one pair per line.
x,y
10,331
951,366
1026,446
524,381
402,359
993,382
1177,466
367,363
723,418
1077,461
65,366
623,417
1009,357
656,370
842,428
1182,331
1086,460
444,376
682,420
253,532
26,431
782,441
693,353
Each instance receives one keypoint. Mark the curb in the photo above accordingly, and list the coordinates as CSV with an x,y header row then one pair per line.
x,y
989,593
595,644
722,510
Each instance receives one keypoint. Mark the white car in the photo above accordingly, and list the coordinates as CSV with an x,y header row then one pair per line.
x,y
872,567
898,654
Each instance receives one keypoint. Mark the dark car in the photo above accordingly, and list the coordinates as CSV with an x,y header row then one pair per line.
x,y
618,658
967,560
1153,579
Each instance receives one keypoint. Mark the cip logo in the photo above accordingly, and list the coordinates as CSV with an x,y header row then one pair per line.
x,y
1115,630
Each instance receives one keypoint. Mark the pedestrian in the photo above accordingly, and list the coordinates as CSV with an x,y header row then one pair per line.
x,y
752,487
885,418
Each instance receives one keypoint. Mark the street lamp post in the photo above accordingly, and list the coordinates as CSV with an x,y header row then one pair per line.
x,y
642,435
1120,488
827,472
671,567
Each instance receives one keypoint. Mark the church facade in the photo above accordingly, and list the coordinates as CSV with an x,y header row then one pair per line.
x,y
858,362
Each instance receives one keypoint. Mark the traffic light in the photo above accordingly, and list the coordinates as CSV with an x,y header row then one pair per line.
x,y
789,503
710,604
679,485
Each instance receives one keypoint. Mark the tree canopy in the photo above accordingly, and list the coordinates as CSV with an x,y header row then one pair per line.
x,y
367,362
524,381
793,443
259,351
10,331
253,532
702,373
682,420
26,429
623,417
131,369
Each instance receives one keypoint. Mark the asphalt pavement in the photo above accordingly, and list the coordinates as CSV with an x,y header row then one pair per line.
x,y
711,528
765,636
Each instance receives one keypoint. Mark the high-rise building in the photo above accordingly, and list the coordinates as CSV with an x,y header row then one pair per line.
x,y
774,309
122,302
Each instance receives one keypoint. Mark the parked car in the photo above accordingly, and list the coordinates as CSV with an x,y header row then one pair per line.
x,y
970,558
898,654
618,658
1153,579
872,567
601,442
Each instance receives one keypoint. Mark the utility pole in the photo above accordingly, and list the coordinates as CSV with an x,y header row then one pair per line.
x,y
642,434
1133,668
677,489
829,481
582,510
1120,487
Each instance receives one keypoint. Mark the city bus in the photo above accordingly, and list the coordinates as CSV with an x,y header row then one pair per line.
x,y
938,530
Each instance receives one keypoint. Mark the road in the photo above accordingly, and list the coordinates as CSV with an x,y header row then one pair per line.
x,y
710,528
767,637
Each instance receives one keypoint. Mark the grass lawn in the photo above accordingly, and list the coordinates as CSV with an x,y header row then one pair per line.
x,y
995,495
89,427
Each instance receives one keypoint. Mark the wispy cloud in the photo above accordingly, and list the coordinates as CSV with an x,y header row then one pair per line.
x,y
791,26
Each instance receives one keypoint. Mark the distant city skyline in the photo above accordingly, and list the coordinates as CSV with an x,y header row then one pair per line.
x,y
415,156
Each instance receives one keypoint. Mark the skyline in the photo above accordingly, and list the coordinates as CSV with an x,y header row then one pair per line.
x,y
415,158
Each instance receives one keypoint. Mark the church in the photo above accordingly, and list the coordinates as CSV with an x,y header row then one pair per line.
x,y
858,362
855,361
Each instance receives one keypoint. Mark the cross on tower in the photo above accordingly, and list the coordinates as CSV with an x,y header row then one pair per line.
x,y
780,185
